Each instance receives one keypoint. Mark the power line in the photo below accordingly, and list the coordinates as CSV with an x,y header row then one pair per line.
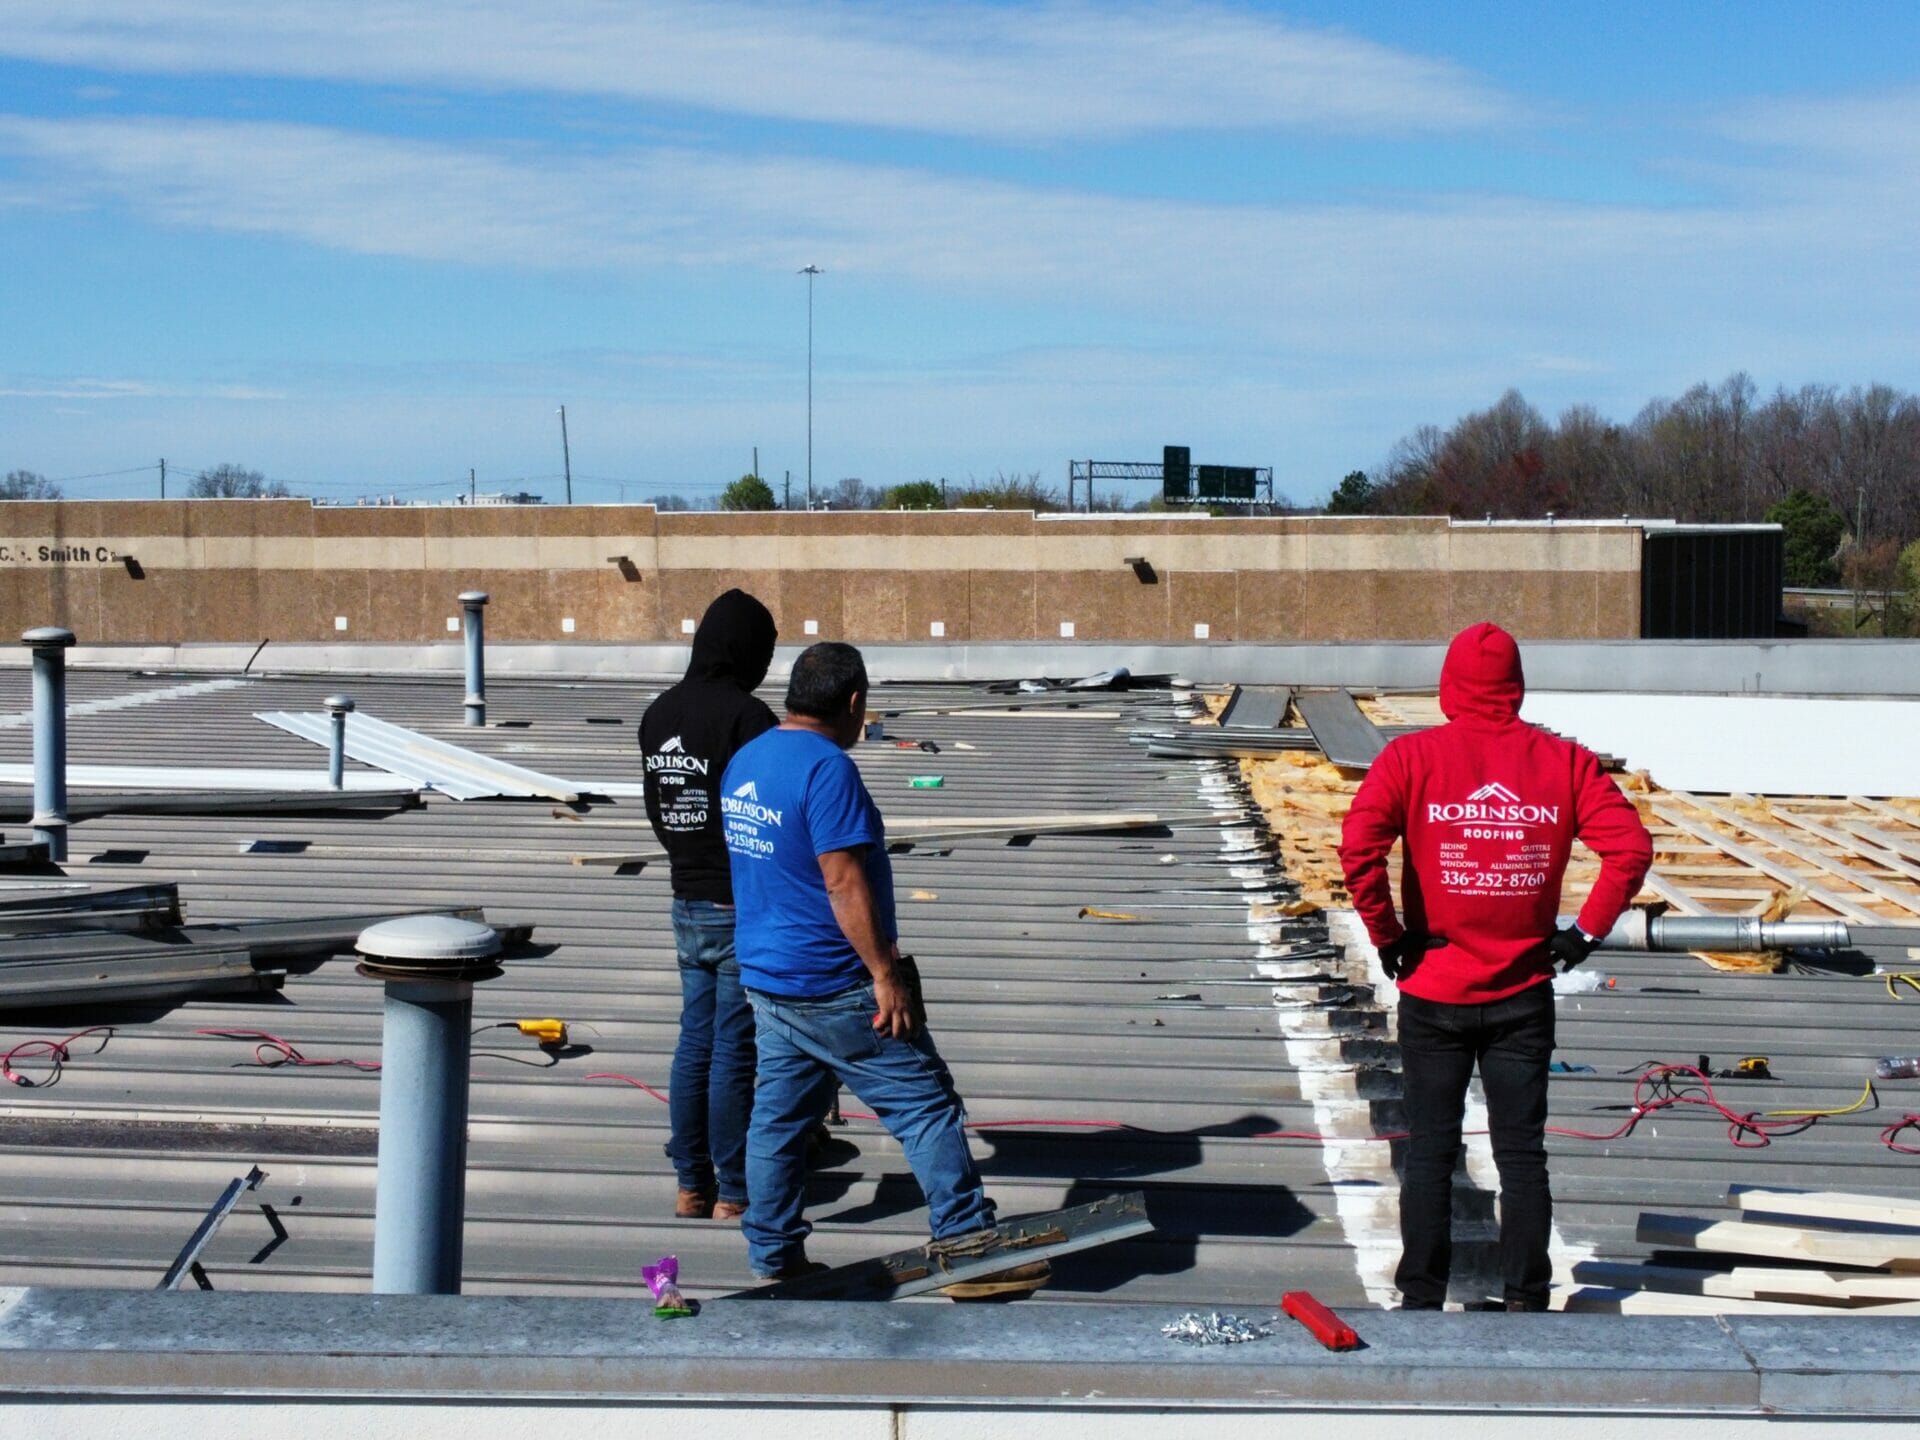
x,y
99,475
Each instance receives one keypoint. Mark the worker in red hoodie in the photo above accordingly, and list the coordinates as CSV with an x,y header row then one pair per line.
x,y
1488,808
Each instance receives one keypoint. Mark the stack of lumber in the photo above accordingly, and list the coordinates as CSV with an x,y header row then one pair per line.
x,y
1783,1252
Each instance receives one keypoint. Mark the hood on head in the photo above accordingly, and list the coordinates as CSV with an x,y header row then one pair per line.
x,y
1482,679
734,642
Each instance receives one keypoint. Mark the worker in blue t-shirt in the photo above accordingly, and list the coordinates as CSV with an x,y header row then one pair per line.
x,y
833,998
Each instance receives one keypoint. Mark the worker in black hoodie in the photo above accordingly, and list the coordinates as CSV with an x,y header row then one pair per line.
x,y
687,737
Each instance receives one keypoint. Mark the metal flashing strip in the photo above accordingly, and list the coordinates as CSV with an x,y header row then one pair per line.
x,y
188,1260
453,770
1023,1240
1343,734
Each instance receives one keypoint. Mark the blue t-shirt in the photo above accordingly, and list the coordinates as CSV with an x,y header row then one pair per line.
x,y
787,799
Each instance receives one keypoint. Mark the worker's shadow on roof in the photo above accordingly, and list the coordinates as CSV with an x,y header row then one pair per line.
x,y
1095,1164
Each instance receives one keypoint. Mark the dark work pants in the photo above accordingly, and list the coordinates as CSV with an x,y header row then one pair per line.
x,y
1512,1042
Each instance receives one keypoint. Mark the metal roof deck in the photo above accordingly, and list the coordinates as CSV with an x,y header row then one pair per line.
x,y
1164,1023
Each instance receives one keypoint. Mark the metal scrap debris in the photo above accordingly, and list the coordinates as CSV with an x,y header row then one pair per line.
x,y
1216,1328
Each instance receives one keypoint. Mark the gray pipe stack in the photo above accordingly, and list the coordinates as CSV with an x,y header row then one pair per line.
x,y
339,707
429,965
50,644
1637,930
474,602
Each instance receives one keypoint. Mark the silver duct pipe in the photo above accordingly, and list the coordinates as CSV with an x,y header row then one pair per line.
x,y
1636,930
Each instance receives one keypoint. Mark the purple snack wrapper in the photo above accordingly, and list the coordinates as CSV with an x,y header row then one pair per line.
x,y
664,1276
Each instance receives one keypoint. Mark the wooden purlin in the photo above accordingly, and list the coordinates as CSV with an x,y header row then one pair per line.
x,y
1806,854
1853,844
1754,859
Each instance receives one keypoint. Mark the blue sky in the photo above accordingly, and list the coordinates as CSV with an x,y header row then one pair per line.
x,y
364,246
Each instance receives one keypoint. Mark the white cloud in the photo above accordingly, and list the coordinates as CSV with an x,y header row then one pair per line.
x,y
1310,273
86,387
1054,69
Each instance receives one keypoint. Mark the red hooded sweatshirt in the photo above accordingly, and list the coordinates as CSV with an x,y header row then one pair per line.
x,y
1489,807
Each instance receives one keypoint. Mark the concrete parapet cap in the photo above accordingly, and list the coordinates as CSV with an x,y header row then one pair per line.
x,y
1034,1354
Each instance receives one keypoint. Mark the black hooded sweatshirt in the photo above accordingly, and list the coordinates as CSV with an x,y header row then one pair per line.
x,y
690,733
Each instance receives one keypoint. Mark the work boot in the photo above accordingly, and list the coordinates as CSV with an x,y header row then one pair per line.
x,y
965,1247
1002,1285
792,1269
693,1205
1021,1278
729,1209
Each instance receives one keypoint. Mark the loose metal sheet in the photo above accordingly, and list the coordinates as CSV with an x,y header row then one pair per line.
x,y
453,770
1343,734
1257,707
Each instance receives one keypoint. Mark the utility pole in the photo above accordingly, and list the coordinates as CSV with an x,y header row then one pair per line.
x,y
943,492
810,271
473,488
1859,547
756,460
789,501
566,455
163,477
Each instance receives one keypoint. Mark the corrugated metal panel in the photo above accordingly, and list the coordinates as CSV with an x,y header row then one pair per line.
x,y
451,769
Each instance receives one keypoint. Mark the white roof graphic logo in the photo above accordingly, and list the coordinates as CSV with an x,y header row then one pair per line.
x,y
748,791
1495,791
673,747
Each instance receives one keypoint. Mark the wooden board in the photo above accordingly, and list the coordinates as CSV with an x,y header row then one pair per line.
x,y
1825,1205
1594,1301
1779,1242
1838,1289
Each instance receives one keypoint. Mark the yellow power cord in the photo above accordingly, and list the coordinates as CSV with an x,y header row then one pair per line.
x,y
1867,1097
1902,978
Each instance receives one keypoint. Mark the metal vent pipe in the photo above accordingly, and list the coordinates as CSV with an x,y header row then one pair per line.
x,y
429,965
1637,930
50,644
474,602
339,707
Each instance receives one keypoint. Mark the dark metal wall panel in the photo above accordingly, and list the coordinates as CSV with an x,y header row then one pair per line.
x,y
1711,584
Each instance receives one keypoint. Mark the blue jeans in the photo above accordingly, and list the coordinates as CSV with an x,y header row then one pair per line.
x,y
710,1094
905,1082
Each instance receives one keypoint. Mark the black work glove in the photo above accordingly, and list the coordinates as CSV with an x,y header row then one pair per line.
x,y
1568,948
1400,957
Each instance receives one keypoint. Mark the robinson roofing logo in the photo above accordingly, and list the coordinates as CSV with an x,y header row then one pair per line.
x,y
1493,803
1492,791
672,755
744,804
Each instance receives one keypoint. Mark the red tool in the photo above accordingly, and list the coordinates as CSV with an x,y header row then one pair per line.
x,y
1325,1326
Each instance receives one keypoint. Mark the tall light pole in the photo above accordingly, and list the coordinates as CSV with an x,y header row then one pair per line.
x,y
810,271
566,454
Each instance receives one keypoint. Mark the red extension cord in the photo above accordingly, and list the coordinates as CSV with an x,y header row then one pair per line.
x,y
1655,1090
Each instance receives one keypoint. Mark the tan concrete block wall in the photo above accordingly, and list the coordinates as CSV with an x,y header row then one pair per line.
x,y
247,570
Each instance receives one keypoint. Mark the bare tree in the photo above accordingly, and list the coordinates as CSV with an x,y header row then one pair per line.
x,y
27,485
853,493
235,482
